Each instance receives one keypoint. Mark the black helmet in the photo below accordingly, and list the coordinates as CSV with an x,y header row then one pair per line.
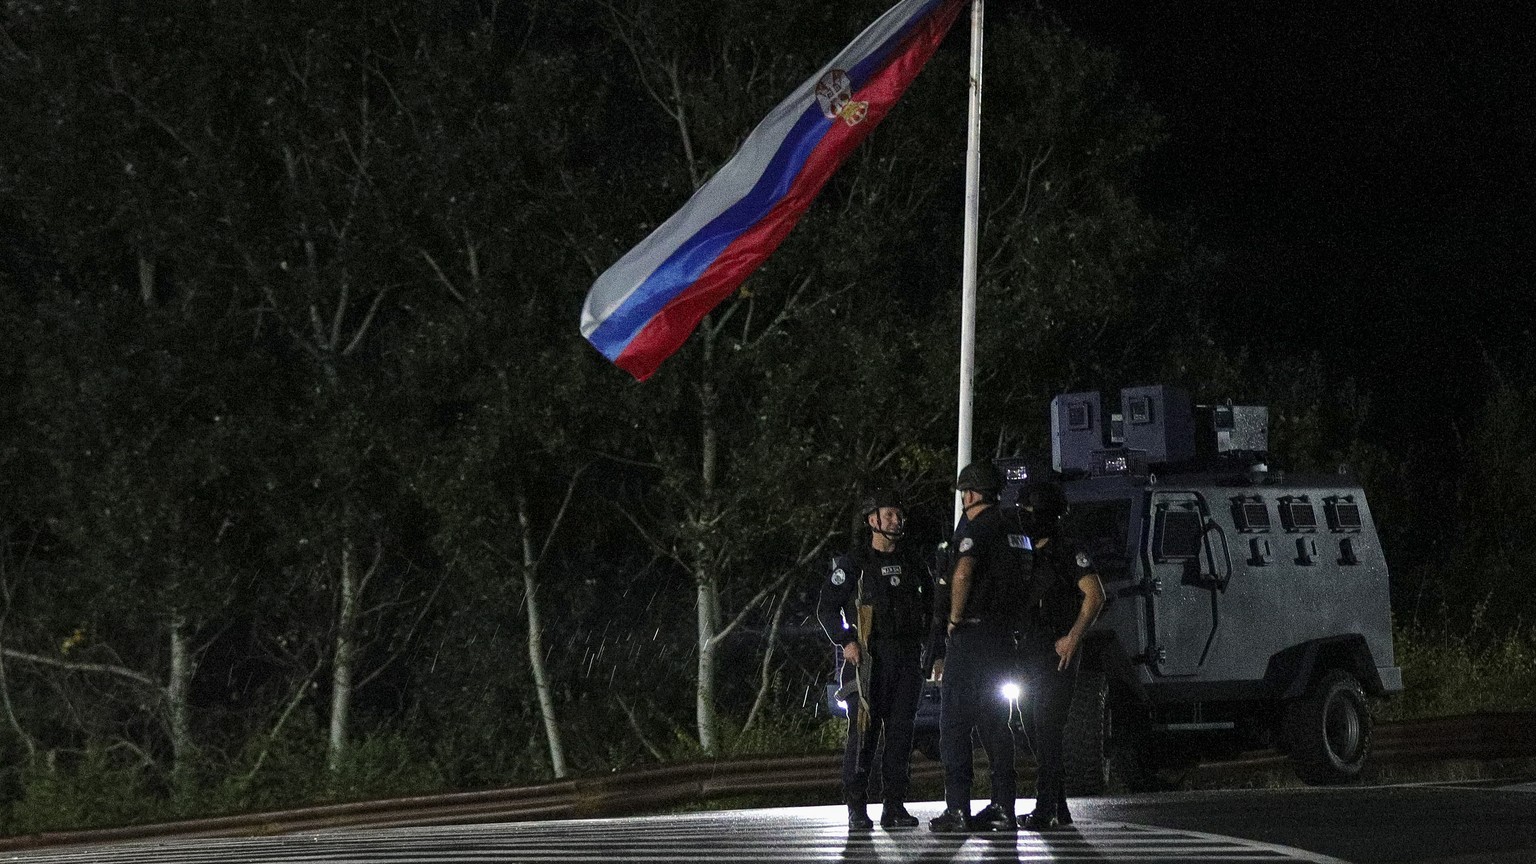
x,y
877,499
980,476
1045,498
873,502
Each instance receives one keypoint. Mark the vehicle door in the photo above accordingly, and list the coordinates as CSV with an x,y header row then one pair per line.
x,y
1187,565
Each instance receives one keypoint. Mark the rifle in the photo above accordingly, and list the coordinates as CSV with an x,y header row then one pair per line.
x,y
866,665
863,682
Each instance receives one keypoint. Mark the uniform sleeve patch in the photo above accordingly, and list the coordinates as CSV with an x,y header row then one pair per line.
x,y
966,544
839,577
1084,561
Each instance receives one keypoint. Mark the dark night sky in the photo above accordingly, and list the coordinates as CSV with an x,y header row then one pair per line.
x,y
1367,176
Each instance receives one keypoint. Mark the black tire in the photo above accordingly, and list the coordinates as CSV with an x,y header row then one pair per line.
x,y
1084,754
1328,731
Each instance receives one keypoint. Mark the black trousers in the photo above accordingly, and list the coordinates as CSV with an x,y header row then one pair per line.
x,y
898,684
976,663
1049,700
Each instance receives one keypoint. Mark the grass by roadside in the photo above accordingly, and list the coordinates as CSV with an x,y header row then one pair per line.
x,y
1446,673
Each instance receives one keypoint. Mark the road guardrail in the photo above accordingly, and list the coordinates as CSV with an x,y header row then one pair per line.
x,y
1475,736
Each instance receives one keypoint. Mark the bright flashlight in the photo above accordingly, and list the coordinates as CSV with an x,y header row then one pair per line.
x,y
1011,691
842,706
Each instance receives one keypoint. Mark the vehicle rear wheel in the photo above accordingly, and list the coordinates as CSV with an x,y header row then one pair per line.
x,y
1084,755
1328,730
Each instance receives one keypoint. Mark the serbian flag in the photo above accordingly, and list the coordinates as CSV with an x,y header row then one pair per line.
x,y
645,306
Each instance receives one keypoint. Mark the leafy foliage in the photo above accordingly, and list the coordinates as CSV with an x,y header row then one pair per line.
x,y
288,303
1450,671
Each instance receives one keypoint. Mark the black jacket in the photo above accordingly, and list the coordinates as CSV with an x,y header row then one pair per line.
x,y
1054,598
896,584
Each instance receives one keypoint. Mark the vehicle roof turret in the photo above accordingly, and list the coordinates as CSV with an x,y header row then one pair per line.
x,y
1157,429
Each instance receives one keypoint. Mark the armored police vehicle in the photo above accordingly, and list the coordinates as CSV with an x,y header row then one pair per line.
x,y
1245,608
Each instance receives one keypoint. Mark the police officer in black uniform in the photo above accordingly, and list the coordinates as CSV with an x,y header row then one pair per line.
x,y
1064,599
887,588
983,588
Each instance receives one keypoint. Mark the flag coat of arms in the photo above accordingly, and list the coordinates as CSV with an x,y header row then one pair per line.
x,y
645,306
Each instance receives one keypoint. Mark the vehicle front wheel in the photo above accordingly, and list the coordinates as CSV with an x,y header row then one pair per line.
x,y
1328,731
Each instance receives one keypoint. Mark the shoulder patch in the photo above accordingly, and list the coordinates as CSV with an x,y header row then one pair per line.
x,y
1084,561
839,577
966,544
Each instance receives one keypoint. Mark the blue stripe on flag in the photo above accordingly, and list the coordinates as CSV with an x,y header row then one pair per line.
x,y
696,254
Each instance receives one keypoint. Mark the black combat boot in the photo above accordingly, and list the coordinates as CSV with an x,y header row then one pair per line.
x,y
894,815
952,820
1063,815
994,817
858,817
1044,819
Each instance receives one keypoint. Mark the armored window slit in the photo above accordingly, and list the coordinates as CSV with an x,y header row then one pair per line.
x,y
1343,514
1255,516
1297,515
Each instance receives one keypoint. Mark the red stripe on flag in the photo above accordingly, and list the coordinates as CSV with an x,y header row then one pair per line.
x,y
666,332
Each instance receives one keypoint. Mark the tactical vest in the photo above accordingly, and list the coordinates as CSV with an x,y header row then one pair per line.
x,y
1054,598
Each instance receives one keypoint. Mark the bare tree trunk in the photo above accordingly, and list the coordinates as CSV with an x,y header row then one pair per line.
x,y
536,640
708,589
705,703
341,664
178,685
707,598
177,693
668,92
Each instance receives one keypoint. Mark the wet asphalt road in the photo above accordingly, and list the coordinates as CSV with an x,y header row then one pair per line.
x,y
1485,821
1474,823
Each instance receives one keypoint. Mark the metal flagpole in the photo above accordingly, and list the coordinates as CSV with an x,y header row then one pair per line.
x,y
972,230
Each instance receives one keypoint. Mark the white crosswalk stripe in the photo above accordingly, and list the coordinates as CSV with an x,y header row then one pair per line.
x,y
809,834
